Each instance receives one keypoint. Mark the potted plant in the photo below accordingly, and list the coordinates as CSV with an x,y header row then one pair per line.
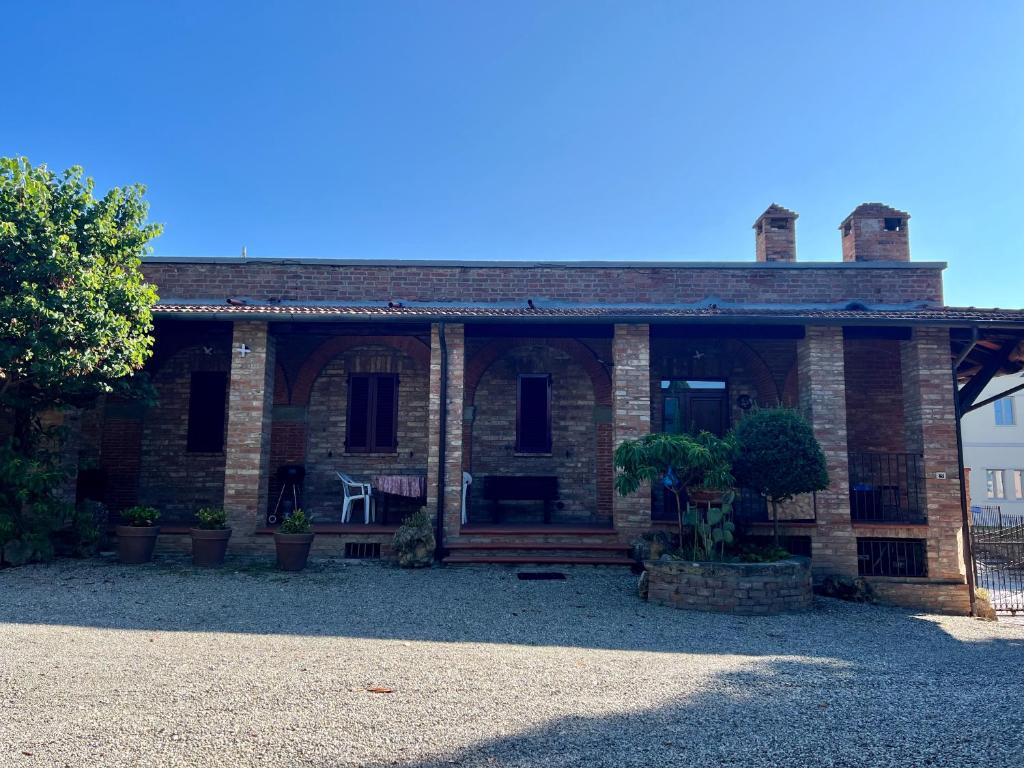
x,y
210,537
779,457
293,540
137,539
414,540
699,465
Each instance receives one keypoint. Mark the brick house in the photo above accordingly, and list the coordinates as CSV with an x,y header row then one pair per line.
x,y
425,371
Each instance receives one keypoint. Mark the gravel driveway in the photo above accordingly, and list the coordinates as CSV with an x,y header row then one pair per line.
x,y
162,665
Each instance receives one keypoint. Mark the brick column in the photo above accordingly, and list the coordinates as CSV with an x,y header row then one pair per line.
x,y
930,419
822,387
631,418
247,453
455,341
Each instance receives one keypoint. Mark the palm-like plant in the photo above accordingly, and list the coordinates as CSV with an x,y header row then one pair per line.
x,y
679,462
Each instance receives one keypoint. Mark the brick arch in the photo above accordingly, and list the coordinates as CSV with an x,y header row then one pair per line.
x,y
579,352
764,382
338,345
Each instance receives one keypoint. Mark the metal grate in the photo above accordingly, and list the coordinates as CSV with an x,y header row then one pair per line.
x,y
892,557
999,565
887,488
540,576
362,550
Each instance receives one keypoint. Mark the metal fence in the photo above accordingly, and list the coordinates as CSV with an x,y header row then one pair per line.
x,y
994,517
999,564
887,488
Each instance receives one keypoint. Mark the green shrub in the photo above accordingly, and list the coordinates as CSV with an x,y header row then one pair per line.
x,y
296,522
778,456
212,518
754,553
414,540
680,463
31,507
140,516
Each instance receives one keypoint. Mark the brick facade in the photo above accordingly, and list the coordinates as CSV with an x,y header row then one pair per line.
x,y
822,386
409,281
631,418
287,400
326,453
250,403
171,478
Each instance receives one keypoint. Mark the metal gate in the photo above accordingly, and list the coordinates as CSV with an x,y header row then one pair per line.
x,y
999,563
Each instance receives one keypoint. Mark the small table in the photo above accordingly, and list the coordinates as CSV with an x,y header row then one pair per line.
x,y
412,487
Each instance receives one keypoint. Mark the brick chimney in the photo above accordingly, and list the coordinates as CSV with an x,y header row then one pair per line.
x,y
775,234
876,232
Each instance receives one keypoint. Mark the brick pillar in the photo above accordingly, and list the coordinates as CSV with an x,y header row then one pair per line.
x,y
822,387
631,418
930,418
247,453
456,344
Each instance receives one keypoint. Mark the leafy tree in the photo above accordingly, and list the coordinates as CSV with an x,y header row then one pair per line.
x,y
679,462
75,313
779,457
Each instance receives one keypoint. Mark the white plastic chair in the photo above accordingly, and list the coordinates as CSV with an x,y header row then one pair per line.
x,y
356,491
467,480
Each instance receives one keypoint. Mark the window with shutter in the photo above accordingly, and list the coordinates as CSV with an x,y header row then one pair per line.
x,y
207,411
533,413
372,413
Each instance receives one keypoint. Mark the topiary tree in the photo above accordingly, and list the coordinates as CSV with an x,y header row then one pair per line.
x,y
778,456
679,462
75,316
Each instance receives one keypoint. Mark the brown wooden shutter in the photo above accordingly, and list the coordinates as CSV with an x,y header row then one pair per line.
x,y
358,436
207,411
385,413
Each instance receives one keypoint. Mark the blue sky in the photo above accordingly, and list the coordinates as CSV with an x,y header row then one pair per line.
x,y
548,130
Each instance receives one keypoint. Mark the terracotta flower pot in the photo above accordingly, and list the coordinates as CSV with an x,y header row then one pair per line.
x,y
135,543
292,550
704,496
209,546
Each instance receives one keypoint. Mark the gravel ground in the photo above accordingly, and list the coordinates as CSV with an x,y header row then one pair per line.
x,y
162,665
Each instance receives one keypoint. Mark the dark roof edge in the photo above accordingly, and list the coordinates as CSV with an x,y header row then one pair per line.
x,y
548,264
290,317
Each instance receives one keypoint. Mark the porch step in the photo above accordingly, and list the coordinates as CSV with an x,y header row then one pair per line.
x,y
534,545
527,559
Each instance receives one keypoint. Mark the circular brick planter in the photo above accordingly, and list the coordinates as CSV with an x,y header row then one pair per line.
x,y
744,588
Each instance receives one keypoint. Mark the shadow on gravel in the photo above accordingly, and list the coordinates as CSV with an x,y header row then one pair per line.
x,y
592,608
794,713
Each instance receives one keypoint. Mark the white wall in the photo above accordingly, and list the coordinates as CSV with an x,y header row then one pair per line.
x,y
990,446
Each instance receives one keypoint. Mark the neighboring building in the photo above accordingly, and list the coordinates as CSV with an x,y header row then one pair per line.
x,y
993,437
526,375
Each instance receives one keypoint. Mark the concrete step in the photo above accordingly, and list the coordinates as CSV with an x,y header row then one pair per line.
x,y
526,558
473,546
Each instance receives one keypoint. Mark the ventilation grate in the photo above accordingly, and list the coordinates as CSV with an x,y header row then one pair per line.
x,y
362,550
540,576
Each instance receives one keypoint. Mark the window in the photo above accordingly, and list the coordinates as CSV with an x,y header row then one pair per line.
x,y
778,223
533,413
893,224
892,557
1018,483
1004,412
372,413
994,484
207,396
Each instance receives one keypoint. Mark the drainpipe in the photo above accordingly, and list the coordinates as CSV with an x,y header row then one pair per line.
x,y
442,433
964,512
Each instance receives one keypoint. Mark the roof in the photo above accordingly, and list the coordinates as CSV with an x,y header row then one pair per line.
x,y
875,211
777,211
530,264
850,313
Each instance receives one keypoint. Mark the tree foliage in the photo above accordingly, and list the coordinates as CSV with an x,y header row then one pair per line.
x,y
778,456
74,310
679,462
75,322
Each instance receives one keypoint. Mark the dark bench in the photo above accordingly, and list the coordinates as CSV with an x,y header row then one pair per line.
x,y
499,488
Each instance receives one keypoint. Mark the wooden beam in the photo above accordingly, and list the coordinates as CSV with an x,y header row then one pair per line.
x,y
969,392
992,399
